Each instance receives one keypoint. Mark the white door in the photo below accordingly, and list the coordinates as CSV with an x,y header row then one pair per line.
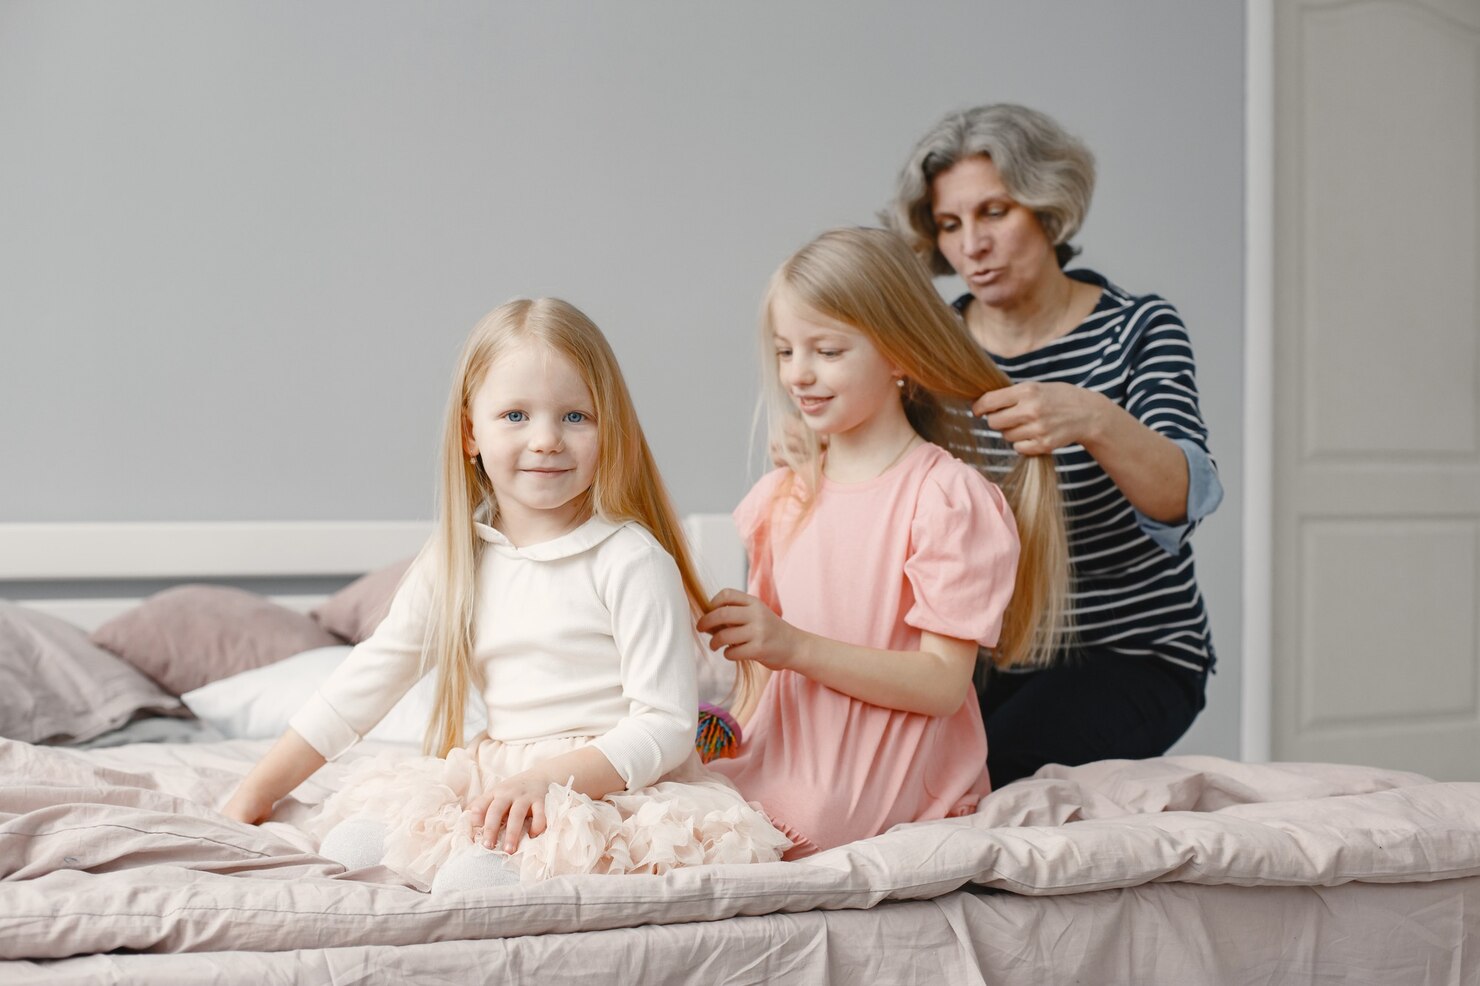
x,y
1376,454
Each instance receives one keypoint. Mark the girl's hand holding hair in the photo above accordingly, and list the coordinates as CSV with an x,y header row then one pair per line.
x,y
932,681
749,630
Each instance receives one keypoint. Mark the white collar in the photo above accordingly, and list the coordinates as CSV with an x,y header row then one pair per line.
x,y
583,538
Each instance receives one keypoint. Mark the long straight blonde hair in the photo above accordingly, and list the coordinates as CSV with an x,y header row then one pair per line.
x,y
626,487
870,279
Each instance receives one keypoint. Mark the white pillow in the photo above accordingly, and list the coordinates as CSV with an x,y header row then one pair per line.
x,y
257,704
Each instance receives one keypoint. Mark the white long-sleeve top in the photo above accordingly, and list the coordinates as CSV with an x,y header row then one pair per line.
x,y
589,634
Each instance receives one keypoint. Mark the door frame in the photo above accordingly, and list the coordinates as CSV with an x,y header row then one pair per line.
x,y
1256,693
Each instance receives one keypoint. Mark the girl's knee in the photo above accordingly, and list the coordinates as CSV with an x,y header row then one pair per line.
x,y
475,868
355,843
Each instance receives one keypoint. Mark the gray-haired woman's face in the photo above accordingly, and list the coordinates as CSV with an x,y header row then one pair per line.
x,y
994,242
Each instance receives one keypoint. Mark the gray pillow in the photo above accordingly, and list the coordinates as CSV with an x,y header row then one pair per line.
x,y
192,635
56,686
355,611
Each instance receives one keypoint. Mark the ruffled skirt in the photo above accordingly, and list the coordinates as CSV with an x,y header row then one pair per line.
x,y
689,817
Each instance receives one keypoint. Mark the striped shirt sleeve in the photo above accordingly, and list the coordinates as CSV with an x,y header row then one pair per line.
x,y
1161,392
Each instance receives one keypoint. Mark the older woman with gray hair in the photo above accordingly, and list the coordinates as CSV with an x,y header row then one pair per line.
x,y
1103,380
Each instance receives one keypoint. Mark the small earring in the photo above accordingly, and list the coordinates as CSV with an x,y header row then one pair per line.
x,y
899,382
473,461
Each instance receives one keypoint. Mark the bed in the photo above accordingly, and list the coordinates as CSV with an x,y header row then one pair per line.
x,y
116,867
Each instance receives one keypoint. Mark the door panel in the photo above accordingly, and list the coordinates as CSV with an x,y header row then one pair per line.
x,y
1377,384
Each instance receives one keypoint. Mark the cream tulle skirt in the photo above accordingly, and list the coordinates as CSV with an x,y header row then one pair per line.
x,y
689,817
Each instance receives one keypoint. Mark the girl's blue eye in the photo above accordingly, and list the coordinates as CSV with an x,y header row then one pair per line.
x,y
517,417
575,417
783,353
829,353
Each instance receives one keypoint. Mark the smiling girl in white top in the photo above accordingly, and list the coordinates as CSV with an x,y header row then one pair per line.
x,y
571,610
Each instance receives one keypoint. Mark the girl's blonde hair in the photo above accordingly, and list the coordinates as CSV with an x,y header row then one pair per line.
x,y
870,279
626,487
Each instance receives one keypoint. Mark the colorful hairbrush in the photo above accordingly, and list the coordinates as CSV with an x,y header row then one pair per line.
x,y
718,736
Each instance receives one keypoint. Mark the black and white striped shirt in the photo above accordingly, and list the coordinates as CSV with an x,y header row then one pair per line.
x,y
1134,591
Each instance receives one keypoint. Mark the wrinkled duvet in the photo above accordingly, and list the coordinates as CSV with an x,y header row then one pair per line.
x,y
1120,871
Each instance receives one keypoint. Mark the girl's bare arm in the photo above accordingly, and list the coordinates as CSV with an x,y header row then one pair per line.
x,y
932,681
290,762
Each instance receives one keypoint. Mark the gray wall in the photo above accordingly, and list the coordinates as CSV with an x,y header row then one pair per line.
x,y
241,241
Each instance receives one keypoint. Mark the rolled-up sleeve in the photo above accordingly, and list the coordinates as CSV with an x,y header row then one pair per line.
x,y
1162,394
1204,494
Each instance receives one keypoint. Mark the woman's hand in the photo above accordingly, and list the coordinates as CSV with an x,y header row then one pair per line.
x,y
509,805
1148,467
1040,417
748,631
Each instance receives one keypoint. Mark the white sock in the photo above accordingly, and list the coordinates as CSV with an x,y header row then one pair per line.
x,y
475,868
355,843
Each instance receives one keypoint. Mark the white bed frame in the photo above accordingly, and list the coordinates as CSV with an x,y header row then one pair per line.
x,y
125,554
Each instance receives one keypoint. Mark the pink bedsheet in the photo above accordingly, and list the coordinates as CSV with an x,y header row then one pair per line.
x,y
123,849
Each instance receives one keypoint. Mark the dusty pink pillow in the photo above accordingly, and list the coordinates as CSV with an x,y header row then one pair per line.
x,y
355,611
192,635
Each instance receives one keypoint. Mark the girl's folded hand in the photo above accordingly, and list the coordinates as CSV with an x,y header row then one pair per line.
x,y
509,805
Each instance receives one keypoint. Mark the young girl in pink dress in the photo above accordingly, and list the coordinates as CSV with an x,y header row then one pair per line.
x,y
880,565
558,585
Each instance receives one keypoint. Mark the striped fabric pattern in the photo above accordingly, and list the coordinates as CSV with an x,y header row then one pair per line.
x,y
1129,595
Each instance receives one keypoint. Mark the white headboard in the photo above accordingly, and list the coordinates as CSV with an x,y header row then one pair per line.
x,y
37,554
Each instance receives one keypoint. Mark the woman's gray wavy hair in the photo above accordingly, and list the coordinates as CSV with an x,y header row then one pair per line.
x,y
1043,166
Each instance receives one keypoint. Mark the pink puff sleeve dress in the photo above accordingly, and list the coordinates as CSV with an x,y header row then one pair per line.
x,y
929,545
